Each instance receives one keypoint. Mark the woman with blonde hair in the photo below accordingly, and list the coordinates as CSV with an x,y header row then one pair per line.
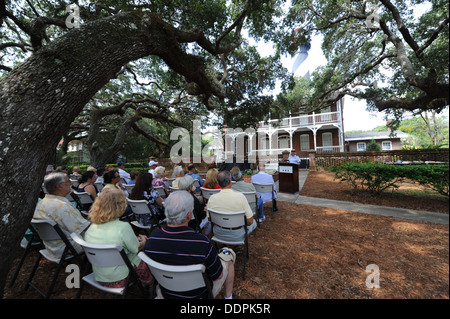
x,y
211,179
106,228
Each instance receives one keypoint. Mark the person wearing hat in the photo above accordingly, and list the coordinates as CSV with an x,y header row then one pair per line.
x,y
152,165
293,158
201,221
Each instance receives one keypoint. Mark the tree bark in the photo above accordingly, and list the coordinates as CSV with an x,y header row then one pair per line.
x,y
41,97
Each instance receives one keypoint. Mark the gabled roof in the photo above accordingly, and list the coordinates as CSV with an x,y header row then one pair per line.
x,y
384,135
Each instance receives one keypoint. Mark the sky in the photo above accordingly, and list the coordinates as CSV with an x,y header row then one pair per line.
x,y
356,117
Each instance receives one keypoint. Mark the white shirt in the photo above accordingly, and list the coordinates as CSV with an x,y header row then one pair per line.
x,y
123,174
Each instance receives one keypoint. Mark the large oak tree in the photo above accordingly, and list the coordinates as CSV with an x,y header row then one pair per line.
x,y
41,96
384,52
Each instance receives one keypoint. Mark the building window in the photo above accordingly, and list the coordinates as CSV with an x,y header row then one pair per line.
x,y
386,145
327,139
361,147
283,142
304,142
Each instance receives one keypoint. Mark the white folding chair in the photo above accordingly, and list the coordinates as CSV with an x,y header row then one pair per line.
x,y
231,220
160,190
178,278
99,186
173,189
111,255
74,182
48,230
129,187
140,207
169,180
208,192
252,197
85,199
265,188
196,183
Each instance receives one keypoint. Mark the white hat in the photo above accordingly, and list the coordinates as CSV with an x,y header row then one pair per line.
x,y
151,163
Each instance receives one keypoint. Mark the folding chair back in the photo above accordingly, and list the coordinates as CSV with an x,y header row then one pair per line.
x,y
129,187
174,189
74,182
139,206
227,220
177,278
252,197
85,197
160,190
207,192
107,255
169,180
46,229
196,183
264,188
100,255
99,186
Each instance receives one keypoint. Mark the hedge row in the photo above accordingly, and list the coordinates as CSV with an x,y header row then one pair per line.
x,y
375,178
140,166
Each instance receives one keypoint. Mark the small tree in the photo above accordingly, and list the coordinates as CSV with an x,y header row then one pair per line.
x,y
373,146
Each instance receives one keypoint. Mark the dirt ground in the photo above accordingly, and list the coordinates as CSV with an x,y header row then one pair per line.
x,y
306,252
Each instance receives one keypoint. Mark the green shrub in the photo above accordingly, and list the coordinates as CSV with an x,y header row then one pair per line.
x,y
373,146
375,178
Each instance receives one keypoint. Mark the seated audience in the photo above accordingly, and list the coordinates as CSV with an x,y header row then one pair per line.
x,y
122,173
87,181
242,187
100,172
111,180
229,201
152,166
55,206
178,244
144,190
158,179
133,175
194,175
76,172
178,173
201,221
106,228
263,178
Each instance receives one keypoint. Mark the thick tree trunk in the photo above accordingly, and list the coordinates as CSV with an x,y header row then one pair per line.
x,y
41,97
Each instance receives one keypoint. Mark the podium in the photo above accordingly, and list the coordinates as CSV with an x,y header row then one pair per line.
x,y
288,178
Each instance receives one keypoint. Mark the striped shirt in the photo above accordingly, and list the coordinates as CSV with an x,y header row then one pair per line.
x,y
183,246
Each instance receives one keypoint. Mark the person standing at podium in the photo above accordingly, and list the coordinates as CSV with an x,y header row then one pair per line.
x,y
293,158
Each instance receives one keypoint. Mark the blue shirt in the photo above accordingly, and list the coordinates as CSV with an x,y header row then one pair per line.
x,y
264,178
196,176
